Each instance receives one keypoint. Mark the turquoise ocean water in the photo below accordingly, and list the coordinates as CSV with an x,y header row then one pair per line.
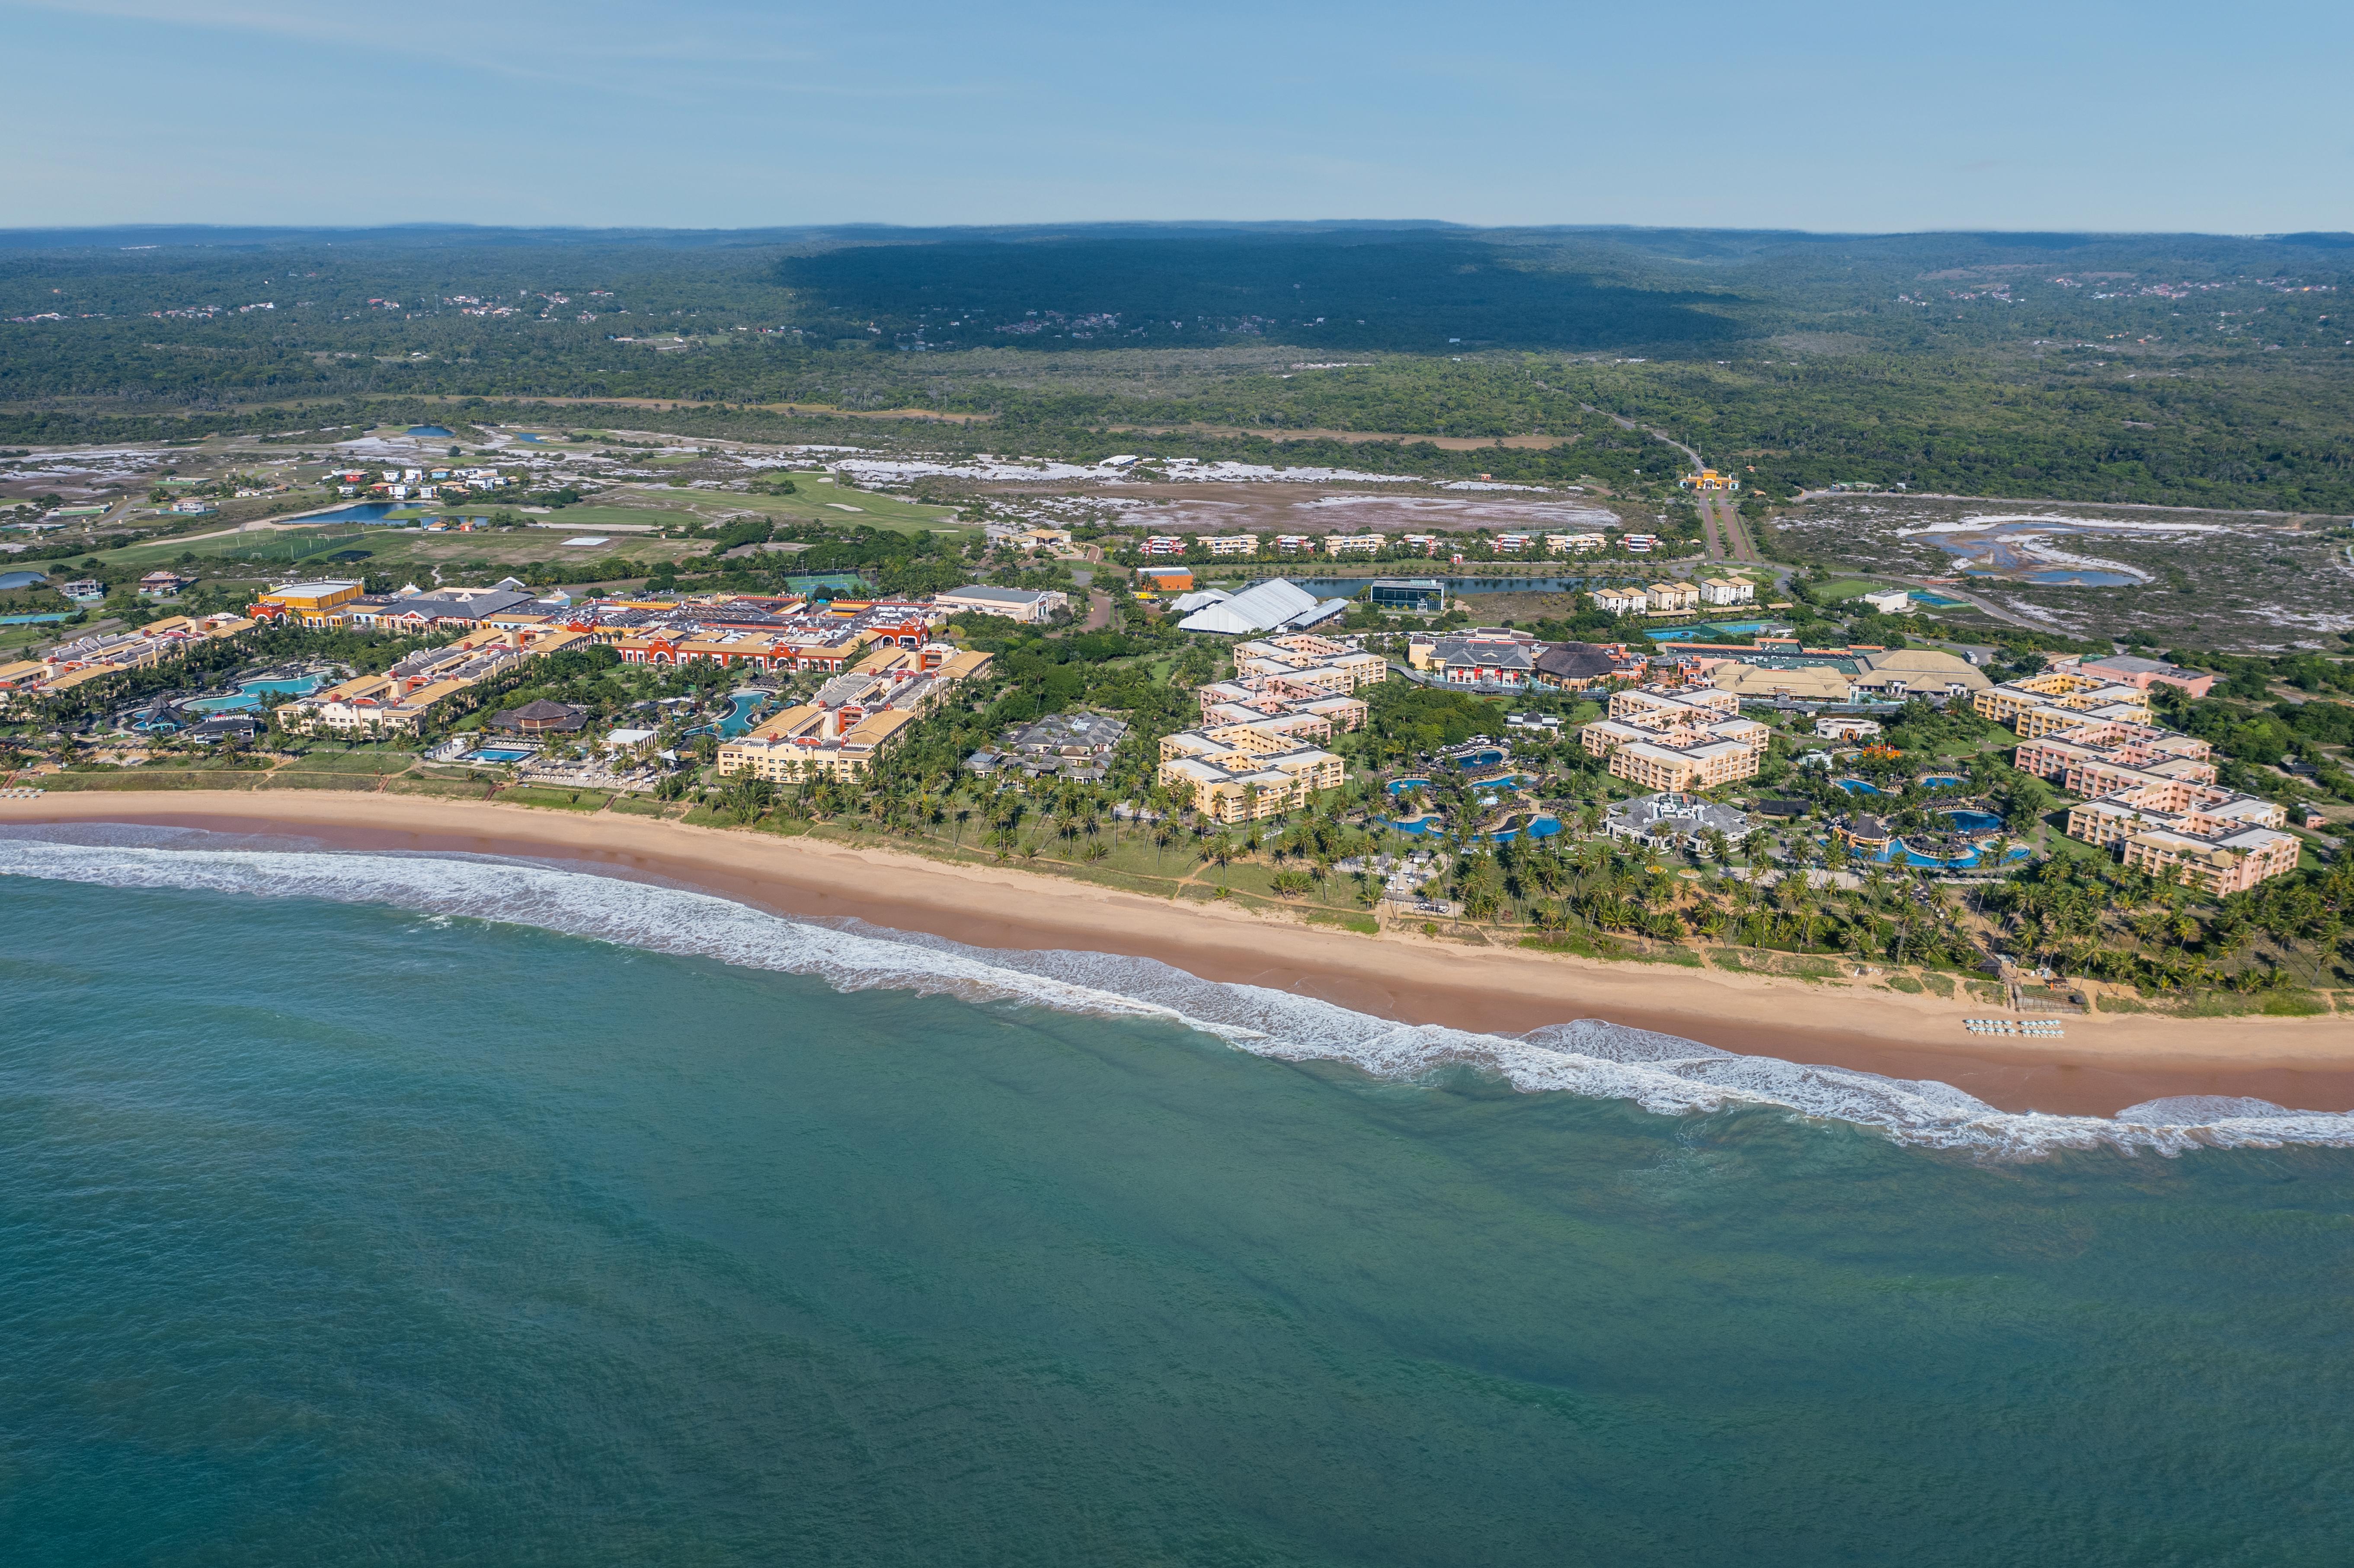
x,y
343,1223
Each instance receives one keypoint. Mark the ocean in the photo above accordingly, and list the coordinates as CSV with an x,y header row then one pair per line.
x,y
411,1209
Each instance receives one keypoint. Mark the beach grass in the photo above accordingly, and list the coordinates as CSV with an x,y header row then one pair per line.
x,y
555,799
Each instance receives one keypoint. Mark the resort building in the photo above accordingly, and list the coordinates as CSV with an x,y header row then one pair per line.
x,y
1278,605
1708,479
2151,793
1621,600
2056,700
1231,544
1727,590
1070,745
1677,739
1165,579
1486,657
1032,607
852,719
1575,666
1898,674
1303,665
2142,673
1670,597
1243,773
1672,821
1846,726
306,604
1355,544
1417,596
425,687
1567,544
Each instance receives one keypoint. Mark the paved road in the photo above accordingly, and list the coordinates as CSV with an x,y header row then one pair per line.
x,y
1719,514
1098,611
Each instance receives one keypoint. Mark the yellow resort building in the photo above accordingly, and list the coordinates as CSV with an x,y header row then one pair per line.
x,y
854,719
307,604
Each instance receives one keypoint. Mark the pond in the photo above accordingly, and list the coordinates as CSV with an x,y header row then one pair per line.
x,y
1349,588
434,430
361,511
2072,578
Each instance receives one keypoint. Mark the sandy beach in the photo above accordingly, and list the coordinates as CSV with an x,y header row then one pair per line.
x,y
2102,1063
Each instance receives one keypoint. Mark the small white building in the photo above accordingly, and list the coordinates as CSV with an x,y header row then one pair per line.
x,y
1727,590
1890,602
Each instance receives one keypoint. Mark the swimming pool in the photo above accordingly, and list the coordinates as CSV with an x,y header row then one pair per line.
x,y
495,754
1907,855
1400,786
1479,759
1861,787
740,709
1942,780
1538,827
250,695
1971,822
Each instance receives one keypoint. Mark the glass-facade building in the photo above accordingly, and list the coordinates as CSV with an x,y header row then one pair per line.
x,y
1422,596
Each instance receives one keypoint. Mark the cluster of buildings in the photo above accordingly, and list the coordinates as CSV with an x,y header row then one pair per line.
x,y
1256,752
1676,739
1672,597
1069,745
95,657
421,483
2151,793
854,719
425,687
1344,545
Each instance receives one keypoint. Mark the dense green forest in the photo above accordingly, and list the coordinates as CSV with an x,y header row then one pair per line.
x,y
2184,370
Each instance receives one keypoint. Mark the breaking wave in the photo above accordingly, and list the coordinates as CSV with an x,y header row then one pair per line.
x,y
1589,1057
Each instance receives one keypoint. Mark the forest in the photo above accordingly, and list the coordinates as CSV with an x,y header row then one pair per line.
x,y
2172,370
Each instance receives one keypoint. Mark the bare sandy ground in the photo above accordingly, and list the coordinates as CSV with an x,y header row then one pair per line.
x,y
2102,1064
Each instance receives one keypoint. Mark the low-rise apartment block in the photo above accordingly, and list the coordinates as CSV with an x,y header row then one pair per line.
x,y
1621,600
1727,590
1231,544
2151,794
1677,739
1354,544
2056,700
1671,596
854,719
1241,773
425,687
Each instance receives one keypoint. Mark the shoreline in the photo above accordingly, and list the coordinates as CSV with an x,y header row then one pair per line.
x,y
2102,1063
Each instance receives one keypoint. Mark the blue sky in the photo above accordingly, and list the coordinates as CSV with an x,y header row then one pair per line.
x,y
721,114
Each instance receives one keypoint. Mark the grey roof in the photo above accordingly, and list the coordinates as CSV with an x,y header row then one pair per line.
x,y
1495,652
439,607
1262,606
1574,662
2131,664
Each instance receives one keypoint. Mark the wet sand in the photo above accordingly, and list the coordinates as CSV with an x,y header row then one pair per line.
x,y
2102,1064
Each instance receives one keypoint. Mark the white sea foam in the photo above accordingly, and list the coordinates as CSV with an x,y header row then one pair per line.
x,y
1587,1056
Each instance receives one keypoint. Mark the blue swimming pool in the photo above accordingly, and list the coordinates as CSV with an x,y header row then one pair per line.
x,y
1538,827
1966,820
1861,787
1479,759
1942,780
251,693
740,709
1400,786
496,754
1901,851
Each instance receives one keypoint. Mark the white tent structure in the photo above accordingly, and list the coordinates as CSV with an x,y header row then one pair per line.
x,y
1275,605
1200,598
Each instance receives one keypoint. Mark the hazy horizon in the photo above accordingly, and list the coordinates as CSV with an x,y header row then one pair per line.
x,y
718,114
